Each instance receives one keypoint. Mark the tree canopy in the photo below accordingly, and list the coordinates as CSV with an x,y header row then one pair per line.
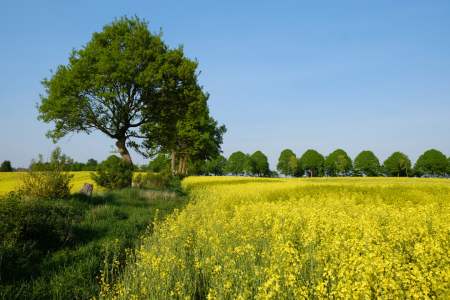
x,y
398,164
312,161
123,78
216,165
6,166
260,164
366,163
432,163
235,164
338,163
283,162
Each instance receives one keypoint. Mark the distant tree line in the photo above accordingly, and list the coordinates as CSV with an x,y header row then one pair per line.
x,y
431,164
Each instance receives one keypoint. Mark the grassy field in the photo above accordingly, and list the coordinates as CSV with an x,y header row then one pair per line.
x,y
56,249
324,238
10,180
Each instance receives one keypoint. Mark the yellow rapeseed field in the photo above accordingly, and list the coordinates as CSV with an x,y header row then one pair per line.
x,y
10,180
324,238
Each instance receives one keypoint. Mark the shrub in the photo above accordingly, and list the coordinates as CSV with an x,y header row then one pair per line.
x,y
48,185
138,178
159,180
113,173
28,230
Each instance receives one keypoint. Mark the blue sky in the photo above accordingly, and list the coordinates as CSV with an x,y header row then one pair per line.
x,y
323,75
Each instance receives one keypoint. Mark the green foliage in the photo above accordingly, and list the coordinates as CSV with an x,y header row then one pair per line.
x,y
366,163
283,162
92,162
432,163
57,249
113,173
160,163
159,180
123,78
195,167
398,164
293,163
260,164
235,164
216,166
49,185
312,162
57,161
338,163
6,166
249,165
138,178
274,174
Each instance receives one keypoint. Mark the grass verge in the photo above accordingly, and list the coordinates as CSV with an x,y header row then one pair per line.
x,y
56,249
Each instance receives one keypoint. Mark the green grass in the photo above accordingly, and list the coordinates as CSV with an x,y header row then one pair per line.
x,y
56,249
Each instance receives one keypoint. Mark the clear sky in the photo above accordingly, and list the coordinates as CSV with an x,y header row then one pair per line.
x,y
323,75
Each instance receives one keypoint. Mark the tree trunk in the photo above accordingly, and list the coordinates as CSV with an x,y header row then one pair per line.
x,y
174,153
183,169
122,149
311,173
432,175
180,165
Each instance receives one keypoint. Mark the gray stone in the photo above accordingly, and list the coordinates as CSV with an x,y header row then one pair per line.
x,y
135,184
87,189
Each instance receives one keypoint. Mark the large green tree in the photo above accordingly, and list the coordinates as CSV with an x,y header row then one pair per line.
x,y
235,164
261,164
398,164
338,163
283,162
312,161
123,78
366,163
432,163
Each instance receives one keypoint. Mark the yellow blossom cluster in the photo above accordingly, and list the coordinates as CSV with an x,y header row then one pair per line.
x,y
340,238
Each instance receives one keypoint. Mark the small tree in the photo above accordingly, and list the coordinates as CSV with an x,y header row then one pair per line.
x,y
283,162
432,163
216,166
293,164
113,173
6,166
398,164
367,163
235,164
334,163
260,163
312,161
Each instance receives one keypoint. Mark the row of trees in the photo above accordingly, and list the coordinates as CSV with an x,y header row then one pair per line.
x,y
432,164
61,161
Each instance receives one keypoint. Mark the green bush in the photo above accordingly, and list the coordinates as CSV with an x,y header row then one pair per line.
x,y
113,173
139,179
48,185
28,230
159,180
6,166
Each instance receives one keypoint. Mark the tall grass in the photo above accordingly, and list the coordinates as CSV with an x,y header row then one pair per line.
x,y
340,238
56,249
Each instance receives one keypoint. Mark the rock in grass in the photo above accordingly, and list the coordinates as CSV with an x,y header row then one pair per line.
x,y
135,184
87,189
